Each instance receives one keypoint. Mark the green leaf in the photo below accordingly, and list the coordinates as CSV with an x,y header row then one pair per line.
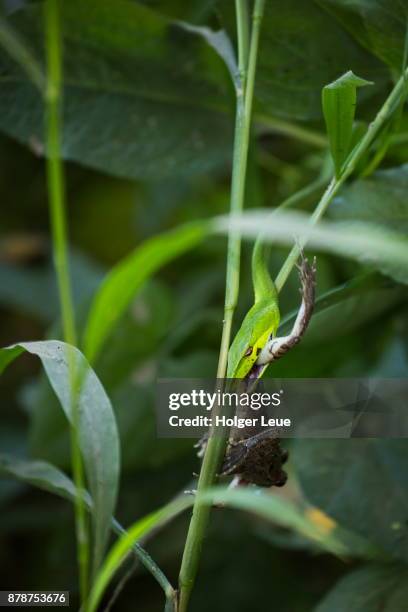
x,y
125,279
42,475
380,199
48,435
374,587
9,355
379,25
143,97
353,490
382,249
49,478
133,347
302,48
328,536
121,548
271,507
98,436
169,103
220,42
339,101
138,335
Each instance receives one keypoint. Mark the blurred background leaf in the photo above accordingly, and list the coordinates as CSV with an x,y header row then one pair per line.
x,y
303,49
379,25
369,588
160,86
378,199
365,490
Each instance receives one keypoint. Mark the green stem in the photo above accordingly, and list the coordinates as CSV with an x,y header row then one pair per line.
x,y
144,557
56,196
216,444
397,95
241,9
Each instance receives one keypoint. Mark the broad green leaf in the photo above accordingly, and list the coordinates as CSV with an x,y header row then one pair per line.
x,y
380,199
365,491
98,437
49,478
302,48
380,248
143,97
193,11
373,587
339,101
379,25
169,103
125,279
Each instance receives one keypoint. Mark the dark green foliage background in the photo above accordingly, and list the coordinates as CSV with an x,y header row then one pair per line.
x,y
148,115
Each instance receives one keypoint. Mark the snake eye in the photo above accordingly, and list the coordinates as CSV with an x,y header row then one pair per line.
x,y
248,351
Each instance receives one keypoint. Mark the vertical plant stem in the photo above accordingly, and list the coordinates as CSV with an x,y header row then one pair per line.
x,y
396,97
242,13
56,197
239,166
216,444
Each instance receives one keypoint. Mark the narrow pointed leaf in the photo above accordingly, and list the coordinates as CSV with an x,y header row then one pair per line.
x,y
339,105
124,544
98,436
327,535
42,475
126,278
380,248
49,478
